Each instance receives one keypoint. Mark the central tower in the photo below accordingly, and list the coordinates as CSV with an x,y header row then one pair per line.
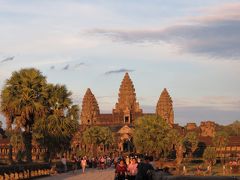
x,y
127,108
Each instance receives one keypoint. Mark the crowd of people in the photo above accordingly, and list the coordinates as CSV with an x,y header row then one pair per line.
x,y
133,169
129,167
101,162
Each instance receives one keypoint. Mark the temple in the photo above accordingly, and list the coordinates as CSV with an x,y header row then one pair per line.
x,y
125,112
165,107
90,110
126,109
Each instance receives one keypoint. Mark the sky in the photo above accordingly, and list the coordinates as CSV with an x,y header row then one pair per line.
x,y
192,48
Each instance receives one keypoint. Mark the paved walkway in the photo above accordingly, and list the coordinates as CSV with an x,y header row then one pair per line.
x,y
90,174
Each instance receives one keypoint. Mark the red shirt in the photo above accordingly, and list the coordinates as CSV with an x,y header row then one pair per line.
x,y
121,170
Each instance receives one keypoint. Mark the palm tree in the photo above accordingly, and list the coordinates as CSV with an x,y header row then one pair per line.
x,y
23,98
210,155
176,140
107,138
96,135
56,130
191,140
220,141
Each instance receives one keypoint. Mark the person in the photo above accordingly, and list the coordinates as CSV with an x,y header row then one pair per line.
x,y
102,162
184,170
64,162
209,169
121,171
83,164
115,161
132,169
224,169
74,161
144,170
151,161
127,160
198,171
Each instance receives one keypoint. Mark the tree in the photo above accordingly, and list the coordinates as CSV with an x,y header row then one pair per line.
x,y
220,141
106,135
210,154
191,141
97,135
57,128
23,98
16,142
232,129
176,140
151,136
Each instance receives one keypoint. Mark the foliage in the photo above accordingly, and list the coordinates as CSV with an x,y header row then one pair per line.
x,y
97,135
153,135
220,139
210,154
232,129
191,141
56,130
42,110
23,97
16,140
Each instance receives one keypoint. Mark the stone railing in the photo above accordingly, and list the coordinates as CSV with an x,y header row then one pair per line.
x,y
24,171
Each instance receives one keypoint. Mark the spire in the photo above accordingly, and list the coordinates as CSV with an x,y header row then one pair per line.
x,y
90,109
127,108
127,95
165,107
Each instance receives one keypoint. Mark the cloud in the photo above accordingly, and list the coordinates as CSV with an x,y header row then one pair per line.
x,y
216,34
79,65
66,67
184,115
8,59
218,102
123,70
52,67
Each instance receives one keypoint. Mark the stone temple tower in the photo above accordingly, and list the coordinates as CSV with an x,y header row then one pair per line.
x,y
127,108
90,109
165,107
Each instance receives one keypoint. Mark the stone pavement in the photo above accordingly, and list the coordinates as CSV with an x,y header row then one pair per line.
x,y
90,174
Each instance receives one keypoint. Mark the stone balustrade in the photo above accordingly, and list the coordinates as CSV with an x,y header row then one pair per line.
x,y
25,174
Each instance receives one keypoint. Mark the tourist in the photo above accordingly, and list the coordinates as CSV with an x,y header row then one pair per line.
x,y
138,160
198,171
121,171
132,169
64,162
74,161
109,161
151,161
127,160
84,164
184,170
144,170
209,169
224,169
115,161
102,162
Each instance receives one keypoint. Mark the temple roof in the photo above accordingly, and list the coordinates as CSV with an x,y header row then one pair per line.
x,y
90,100
90,108
164,107
127,96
